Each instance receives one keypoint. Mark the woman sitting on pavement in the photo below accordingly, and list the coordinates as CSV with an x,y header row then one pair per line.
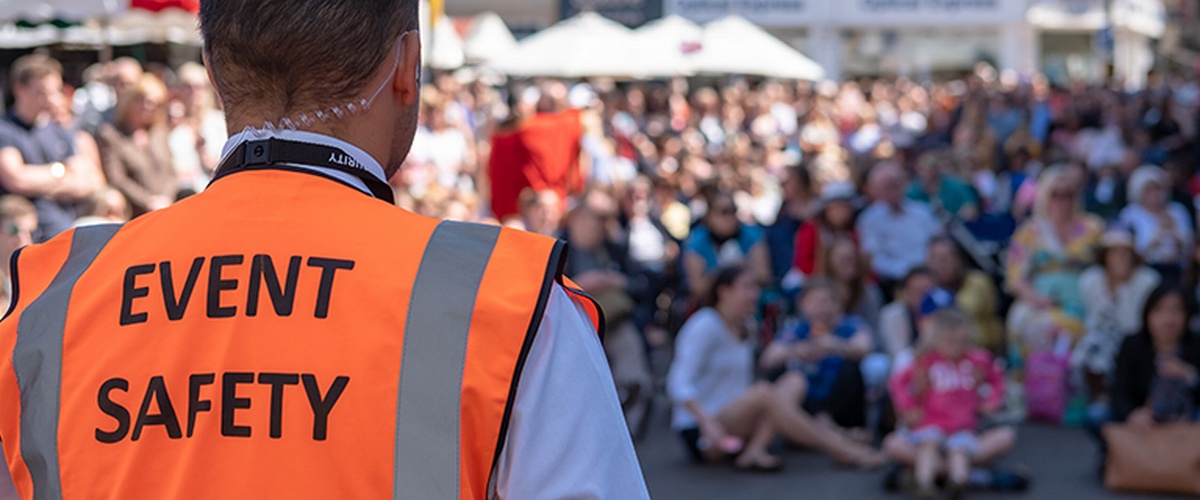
x,y
1157,372
719,410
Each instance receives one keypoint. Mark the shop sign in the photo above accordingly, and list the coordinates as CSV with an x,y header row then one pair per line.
x,y
761,12
632,13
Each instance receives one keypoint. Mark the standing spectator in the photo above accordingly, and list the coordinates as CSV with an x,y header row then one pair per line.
x,y
1045,260
895,231
134,149
1162,228
443,146
37,156
711,383
535,150
19,226
198,131
721,240
974,291
1114,294
1156,377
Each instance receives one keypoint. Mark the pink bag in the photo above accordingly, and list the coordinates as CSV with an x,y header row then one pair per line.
x,y
1046,386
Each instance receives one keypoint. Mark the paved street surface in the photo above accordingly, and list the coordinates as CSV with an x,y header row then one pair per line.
x,y
1062,462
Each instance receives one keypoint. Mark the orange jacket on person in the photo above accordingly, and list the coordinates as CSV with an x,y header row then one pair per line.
x,y
287,335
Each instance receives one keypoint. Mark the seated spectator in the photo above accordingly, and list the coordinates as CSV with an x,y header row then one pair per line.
x,y
601,268
974,291
1162,228
37,156
898,320
797,208
1045,260
1114,293
718,408
895,231
723,240
134,149
541,212
18,219
942,192
835,218
846,267
826,349
939,398
1157,373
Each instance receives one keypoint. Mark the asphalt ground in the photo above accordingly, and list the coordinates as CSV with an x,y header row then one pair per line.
x,y
1062,463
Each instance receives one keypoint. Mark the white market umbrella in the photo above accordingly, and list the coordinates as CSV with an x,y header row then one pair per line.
x,y
46,10
583,46
669,46
733,45
489,39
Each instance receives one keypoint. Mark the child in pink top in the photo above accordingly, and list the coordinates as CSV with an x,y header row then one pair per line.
x,y
940,396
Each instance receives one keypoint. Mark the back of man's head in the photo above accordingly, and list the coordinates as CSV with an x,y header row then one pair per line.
x,y
273,58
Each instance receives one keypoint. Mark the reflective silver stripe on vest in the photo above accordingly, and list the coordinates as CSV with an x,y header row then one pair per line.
x,y
435,348
37,360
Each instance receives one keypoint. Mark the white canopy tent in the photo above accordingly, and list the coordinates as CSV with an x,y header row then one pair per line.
x,y
669,45
441,47
488,39
582,46
46,10
734,45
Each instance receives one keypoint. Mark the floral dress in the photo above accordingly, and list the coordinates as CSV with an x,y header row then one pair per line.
x,y
1053,268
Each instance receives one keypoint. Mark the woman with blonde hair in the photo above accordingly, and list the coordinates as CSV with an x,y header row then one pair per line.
x,y
1046,258
134,150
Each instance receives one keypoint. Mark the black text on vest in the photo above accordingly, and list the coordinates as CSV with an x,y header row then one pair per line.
x,y
158,406
226,274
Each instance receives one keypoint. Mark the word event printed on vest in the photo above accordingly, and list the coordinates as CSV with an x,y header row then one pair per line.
x,y
232,281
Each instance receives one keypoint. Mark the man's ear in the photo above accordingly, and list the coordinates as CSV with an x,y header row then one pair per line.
x,y
407,80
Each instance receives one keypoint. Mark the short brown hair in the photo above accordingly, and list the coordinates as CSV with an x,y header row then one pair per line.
x,y
13,207
33,67
288,56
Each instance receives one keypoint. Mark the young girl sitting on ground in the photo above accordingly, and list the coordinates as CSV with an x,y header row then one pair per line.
x,y
940,396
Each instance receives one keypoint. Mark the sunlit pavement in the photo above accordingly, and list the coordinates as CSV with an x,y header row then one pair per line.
x,y
1062,464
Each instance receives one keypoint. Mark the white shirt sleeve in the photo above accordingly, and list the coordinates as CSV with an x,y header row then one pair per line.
x,y
567,437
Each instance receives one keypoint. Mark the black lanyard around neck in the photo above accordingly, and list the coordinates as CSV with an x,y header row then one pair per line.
x,y
267,154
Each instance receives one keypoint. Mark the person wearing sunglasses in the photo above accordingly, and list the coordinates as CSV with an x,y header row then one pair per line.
x,y
722,239
1046,259
19,224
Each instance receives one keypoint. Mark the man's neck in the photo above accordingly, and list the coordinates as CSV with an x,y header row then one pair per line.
x,y
27,114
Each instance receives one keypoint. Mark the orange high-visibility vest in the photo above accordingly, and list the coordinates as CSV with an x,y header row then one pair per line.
x,y
277,336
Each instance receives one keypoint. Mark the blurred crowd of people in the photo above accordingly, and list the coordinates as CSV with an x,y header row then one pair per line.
x,y
838,263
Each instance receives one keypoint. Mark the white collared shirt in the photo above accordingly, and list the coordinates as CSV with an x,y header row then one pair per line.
x,y
897,241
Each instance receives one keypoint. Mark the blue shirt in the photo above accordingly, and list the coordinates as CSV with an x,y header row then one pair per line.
x,y
822,374
700,242
40,145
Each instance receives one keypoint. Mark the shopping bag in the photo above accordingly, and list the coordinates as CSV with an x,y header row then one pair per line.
x,y
1163,458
